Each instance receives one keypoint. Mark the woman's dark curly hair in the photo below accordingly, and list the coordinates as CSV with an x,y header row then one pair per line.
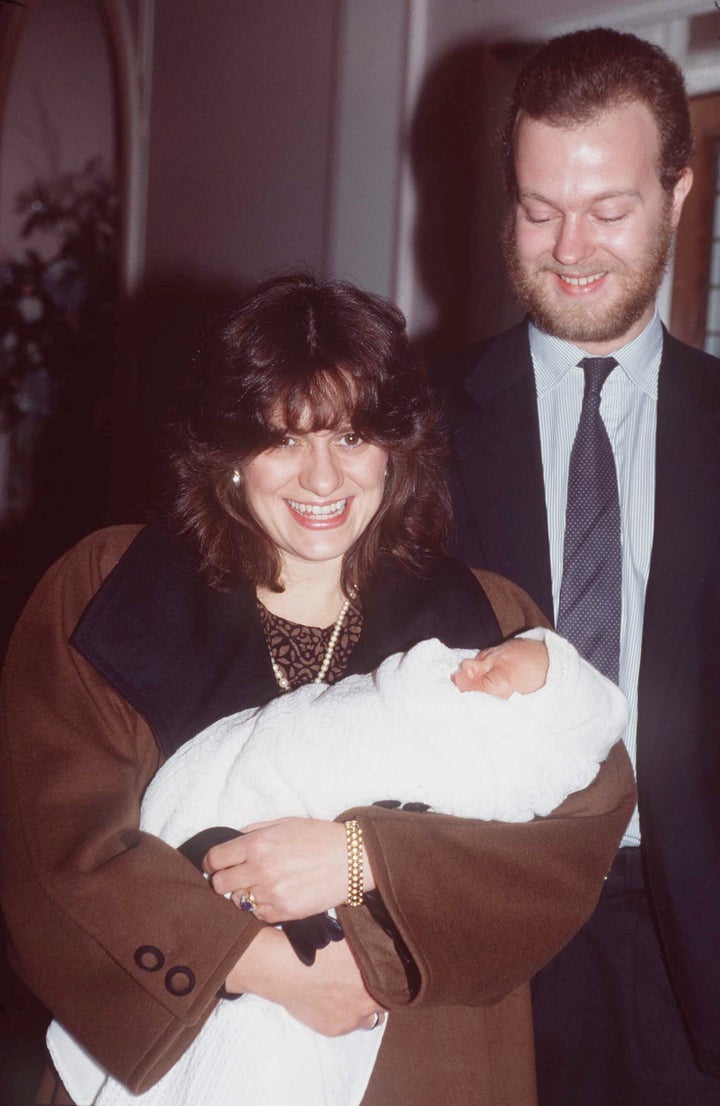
x,y
302,353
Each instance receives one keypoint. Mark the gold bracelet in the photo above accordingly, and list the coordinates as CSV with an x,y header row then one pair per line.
x,y
354,841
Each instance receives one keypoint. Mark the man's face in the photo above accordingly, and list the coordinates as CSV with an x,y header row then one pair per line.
x,y
592,226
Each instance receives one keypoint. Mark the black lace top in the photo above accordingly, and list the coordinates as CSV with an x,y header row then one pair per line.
x,y
299,651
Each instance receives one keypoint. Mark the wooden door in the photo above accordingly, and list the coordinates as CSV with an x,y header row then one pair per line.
x,y
695,314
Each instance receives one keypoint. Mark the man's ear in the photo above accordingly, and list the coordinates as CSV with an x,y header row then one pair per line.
x,y
680,191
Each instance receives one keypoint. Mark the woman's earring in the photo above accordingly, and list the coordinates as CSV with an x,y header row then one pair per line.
x,y
236,478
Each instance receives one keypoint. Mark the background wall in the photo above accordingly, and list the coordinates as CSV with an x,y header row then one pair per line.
x,y
240,137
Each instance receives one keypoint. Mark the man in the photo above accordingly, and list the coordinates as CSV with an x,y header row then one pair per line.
x,y
597,147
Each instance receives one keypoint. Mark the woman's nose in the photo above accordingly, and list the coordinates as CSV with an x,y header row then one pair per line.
x,y
321,473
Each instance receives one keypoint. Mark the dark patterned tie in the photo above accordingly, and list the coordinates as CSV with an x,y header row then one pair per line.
x,y
591,591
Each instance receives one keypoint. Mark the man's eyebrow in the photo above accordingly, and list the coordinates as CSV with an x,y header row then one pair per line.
x,y
611,194
618,193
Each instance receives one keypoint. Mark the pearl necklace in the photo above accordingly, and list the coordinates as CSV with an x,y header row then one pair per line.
x,y
282,680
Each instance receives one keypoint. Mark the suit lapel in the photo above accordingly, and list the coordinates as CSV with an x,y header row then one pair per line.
x,y
180,653
497,441
679,704
401,609
687,515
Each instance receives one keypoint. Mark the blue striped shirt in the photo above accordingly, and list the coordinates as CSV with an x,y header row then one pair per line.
x,y
629,410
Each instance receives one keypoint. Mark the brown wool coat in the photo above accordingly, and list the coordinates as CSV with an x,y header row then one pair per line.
x,y
481,906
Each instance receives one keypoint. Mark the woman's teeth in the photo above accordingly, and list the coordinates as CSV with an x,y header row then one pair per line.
x,y
328,510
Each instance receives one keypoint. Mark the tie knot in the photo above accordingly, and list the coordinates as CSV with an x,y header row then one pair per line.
x,y
597,370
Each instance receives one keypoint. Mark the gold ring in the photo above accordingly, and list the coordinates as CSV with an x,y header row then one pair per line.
x,y
247,902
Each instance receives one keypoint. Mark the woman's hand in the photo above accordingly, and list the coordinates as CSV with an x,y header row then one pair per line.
x,y
329,997
294,867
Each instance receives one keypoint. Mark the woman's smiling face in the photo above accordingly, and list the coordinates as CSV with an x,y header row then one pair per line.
x,y
315,492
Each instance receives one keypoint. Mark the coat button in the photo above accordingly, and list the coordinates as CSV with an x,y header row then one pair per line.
x,y
149,958
179,980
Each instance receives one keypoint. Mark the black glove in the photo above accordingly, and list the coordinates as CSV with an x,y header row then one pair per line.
x,y
306,935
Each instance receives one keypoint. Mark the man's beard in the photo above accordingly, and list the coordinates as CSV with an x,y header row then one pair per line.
x,y
579,322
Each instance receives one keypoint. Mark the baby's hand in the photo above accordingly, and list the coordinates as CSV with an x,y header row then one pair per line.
x,y
517,665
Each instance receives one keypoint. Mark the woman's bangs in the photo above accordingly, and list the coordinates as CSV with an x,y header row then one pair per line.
x,y
326,399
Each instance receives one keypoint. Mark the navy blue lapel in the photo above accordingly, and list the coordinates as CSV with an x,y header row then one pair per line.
x,y
687,513
401,609
180,653
678,766
500,497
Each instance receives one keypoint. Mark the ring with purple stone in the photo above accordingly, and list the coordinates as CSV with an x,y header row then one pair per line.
x,y
247,900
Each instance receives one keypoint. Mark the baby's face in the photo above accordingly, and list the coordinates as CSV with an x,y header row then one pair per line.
x,y
468,676
517,665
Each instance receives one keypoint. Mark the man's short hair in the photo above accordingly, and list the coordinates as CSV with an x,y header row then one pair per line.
x,y
573,78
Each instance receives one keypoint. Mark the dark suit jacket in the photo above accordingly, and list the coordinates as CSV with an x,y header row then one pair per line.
x,y
501,524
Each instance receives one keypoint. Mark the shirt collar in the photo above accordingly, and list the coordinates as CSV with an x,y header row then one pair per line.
x,y
554,357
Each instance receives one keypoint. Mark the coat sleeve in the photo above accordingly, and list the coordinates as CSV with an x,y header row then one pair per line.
x,y
481,906
100,917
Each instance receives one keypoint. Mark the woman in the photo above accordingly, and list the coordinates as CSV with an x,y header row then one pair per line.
x,y
306,523
321,749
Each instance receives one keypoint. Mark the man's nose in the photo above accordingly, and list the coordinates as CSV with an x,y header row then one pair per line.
x,y
574,241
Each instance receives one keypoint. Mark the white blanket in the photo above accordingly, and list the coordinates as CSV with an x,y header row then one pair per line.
x,y
404,732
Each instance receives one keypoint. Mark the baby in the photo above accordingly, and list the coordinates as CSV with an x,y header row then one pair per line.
x,y
539,732
517,666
